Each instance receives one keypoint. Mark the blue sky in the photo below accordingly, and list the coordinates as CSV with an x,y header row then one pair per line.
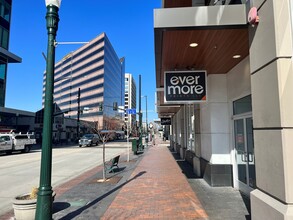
x,y
128,24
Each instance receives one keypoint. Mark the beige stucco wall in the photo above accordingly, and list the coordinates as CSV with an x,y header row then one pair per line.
x,y
272,95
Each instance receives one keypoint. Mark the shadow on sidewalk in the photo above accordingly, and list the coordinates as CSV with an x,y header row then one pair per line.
x,y
246,201
209,196
62,205
186,167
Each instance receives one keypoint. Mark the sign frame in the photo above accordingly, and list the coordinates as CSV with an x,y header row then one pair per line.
x,y
131,111
166,118
184,73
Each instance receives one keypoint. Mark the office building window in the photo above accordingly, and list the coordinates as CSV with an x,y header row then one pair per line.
x,y
4,38
5,10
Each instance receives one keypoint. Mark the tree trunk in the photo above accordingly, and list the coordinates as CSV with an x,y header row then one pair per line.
x,y
104,162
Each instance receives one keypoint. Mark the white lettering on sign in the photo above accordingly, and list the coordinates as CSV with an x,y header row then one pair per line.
x,y
185,85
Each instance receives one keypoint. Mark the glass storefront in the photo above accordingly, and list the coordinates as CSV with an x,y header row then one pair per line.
x,y
244,146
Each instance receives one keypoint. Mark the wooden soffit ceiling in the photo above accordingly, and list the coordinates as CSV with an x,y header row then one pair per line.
x,y
214,52
220,32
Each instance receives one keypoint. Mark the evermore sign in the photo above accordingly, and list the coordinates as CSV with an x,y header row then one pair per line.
x,y
165,121
185,86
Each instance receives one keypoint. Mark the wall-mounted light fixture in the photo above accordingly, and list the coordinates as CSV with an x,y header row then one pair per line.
x,y
193,44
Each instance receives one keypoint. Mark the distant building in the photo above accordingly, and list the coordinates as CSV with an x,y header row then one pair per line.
x,y
5,55
64,129
130,99
18,120
9,118
98,73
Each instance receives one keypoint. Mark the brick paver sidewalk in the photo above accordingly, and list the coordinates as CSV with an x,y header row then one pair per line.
x,y
157,190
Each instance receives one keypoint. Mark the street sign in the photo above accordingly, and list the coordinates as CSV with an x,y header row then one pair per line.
x,y
131,111
121,109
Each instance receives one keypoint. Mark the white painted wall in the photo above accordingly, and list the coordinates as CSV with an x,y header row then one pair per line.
x,y
216,126
238,81
215,121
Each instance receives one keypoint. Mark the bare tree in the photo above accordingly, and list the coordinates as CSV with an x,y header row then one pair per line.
x,y
105,136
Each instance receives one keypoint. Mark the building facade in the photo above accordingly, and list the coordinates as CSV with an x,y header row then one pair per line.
x,y
5,55
87,83
130,101
17,120
64,129
240,133
9,118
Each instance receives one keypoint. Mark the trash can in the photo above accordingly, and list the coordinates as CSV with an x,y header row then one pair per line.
x,y
140,144
134,146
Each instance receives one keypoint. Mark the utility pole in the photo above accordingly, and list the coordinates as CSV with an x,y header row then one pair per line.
x,y
140,113
146,115
78,114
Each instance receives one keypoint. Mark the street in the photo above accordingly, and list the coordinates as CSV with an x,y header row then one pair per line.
x,y
20,172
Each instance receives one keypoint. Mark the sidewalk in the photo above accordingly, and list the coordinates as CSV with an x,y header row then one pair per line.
x,y
159,190
151,185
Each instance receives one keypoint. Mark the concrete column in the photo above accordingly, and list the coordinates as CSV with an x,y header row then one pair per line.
x,y
171,133
197,131
182,131
214,127
177,132
174,133
272,95
197,141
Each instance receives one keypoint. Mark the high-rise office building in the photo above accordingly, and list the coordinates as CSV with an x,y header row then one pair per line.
x,y
130,99
5,55
91,79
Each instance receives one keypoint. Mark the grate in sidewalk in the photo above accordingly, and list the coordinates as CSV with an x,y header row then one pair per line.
x,y
110,180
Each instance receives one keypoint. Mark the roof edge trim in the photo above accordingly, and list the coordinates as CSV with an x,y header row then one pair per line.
x,y
221,15
11,58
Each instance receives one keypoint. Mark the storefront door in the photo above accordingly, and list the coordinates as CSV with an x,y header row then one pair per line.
x,y
244,148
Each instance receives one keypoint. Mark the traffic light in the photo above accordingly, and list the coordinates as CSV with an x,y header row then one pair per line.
x,y
100,107
115,106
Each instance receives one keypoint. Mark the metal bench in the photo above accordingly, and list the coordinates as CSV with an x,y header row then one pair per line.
x,y
113,163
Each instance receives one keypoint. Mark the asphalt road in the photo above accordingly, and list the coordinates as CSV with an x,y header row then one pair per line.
x,y
20,172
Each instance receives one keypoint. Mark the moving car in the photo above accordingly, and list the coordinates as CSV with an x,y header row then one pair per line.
x,y
88,140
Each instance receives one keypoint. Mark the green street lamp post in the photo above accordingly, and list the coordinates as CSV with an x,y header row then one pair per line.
x,y
146,115
140,113
44,200
78,115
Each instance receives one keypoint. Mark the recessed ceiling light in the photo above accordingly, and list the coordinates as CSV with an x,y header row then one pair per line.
x,y
237,56
193,45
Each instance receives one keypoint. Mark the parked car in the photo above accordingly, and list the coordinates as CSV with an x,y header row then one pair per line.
x,y
110,135
88,140
10,142
120,135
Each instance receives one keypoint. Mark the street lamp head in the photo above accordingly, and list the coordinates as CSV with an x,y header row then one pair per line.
x,y
56,3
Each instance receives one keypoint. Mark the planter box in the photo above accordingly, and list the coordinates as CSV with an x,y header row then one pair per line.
x,y
25,209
